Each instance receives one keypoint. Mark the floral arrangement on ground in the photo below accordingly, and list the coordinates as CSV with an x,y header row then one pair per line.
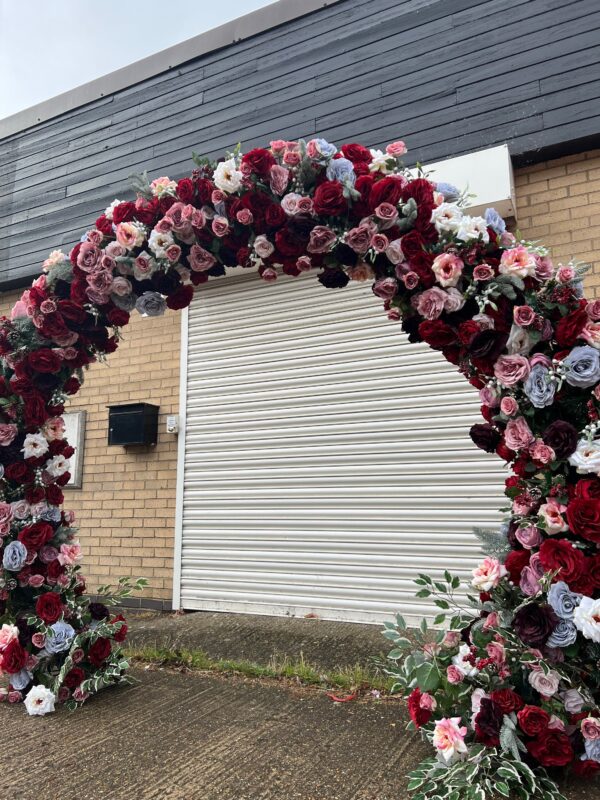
x,y
513,685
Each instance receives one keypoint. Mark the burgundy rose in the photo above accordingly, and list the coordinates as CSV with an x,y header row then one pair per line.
x,y
533,720
36,536
124,212
560,554
386,190
568,328
551,748
588,488
275,216
420,716
485,436
35,410
534,623
583,517
488,344
73,678
98,611
333,278
99,652
562,437
259,161
488,722
507,700
180,298
329,199
185,190
49,607
437,334
44,360
121,634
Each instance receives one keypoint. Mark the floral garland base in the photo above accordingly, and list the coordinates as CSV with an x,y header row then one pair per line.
x,y
513,684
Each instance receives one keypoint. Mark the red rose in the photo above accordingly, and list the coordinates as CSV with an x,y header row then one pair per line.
x,y
560,554
19,472
586,769
420,716
386,190
14,657
72,386
185,190
515,563
180,298
274,216
568,328
36,535
44,360
121,634
329,199
533,720
287,244
104,224
124,212
259,161
35,411
583,517
99,652
54,495
437,334
588,489
74,253
551,749
72,312
54,571
49,607
356,153
73,678
507,700
118,317
34,494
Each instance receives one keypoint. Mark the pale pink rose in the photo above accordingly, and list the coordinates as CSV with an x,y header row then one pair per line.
x,y
491,621
509,406
8,634
200,260
510,370
396,149
385,288
543,268
387,213
523,315
361,272
8,431
244,216
454,300
410,280
95,236
88,256
431,649
173,253
220,226
572,701
36,581
590,728
303,263
21,509
565,274
556,724
542,453
277,146
279,179
394,315
290,203
428,702
121,286
430,303
128,235
591,333
321,239
15,697
291,158
483,272
263,247
164,225
546,685
451,639
269,274
19,310
551,512
359,239
488,396
69,554
497,651
519,262
38,640
394,252
593,310
447,268
379,242
163,185
449,738
55,257
529,536
518,434
488,574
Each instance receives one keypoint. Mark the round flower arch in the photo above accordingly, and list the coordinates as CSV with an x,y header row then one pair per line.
x,y
513,683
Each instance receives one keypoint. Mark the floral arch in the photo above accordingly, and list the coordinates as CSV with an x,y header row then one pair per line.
x,y
511,685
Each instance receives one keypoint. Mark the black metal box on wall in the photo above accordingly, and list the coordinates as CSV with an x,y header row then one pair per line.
x,y
135,423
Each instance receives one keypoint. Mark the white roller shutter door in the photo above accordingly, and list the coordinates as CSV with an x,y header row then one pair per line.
x,y
326,460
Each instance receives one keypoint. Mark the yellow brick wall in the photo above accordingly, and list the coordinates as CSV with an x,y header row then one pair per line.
x,y
125,509
558,203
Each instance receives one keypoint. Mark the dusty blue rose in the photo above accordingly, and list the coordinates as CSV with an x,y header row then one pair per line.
x,y
51,514
563,600
124,302
342,170
325,148
450,192
15,555
20,679
539,387
60,639
152,304
582,366
563,635
592,749
495,221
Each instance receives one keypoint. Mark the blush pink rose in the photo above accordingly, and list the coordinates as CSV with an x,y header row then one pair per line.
x,y
483,272
385,288
220,226
359,239
509,406
8,431
529,536
518,434
321,239
394,252
448,269
379,242
542,453
510,370
523,315
593,310
410,280
552,514
396,149
430,303
200,260
244,216
279,179
454,675
263,247
590,728
488,574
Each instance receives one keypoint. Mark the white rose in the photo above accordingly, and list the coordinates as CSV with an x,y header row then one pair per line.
x,y
227,177
380,162
263,247
57,466
544,684
473,228
39,701
35,445
108,213
159,242
447,218
586,618
464,666
586,458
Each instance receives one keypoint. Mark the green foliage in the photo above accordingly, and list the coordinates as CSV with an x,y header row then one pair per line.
x,y
493,543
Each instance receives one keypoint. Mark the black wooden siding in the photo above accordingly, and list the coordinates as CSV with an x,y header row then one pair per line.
x,y
447,77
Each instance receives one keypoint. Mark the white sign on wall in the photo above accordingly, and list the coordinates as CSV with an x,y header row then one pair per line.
x,y
75,435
